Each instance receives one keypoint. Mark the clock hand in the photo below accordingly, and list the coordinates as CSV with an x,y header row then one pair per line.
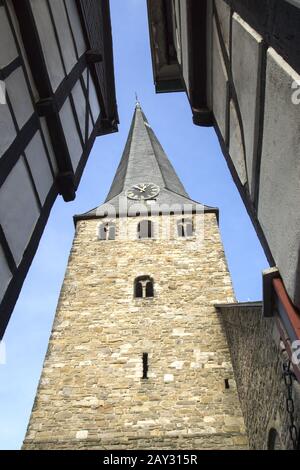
x,y
139,188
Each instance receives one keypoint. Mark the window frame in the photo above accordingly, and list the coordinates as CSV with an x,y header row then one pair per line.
x,y
109,228
149,230
143,289
184,226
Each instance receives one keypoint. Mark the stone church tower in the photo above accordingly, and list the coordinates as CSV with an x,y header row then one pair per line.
x,y
138,357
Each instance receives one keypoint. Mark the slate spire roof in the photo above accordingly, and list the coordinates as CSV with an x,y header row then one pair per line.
x,y
144,161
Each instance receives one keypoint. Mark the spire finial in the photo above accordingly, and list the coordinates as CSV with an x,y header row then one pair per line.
x,y
137,103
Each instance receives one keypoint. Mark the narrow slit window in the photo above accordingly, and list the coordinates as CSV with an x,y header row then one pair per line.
x,y
145,365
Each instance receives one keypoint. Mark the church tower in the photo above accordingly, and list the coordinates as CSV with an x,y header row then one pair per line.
x,y
138,357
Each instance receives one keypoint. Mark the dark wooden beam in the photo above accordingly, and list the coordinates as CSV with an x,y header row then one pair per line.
x,y
7,251
12,154
197,33
10,68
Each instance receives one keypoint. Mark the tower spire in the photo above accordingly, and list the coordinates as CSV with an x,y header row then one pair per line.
x,y
144,161
137,103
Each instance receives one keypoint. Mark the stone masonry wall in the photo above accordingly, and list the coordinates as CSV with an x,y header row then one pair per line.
x,y
257,360
91,394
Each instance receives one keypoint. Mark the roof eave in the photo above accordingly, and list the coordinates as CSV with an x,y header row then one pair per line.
x,y
92,215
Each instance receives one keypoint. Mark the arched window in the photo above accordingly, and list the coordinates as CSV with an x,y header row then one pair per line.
x,y
145,229
143,287
185,228
273,440
149,289
107,231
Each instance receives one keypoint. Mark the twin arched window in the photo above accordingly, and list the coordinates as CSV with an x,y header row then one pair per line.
x,y
185,228
143,287
145,229
107,231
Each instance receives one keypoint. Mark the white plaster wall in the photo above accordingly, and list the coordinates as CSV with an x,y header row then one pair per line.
x,y
236,144
19,96
64,34
246,71
8,50
49,144
39,166
48,42
71,134
91,127
76,26
279,192
18,209
7,129
94,103
223,11
80,105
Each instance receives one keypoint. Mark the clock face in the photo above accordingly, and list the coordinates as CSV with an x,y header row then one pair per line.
x,y
142,191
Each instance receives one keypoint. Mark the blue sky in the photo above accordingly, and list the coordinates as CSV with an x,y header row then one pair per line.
x,y
197,158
